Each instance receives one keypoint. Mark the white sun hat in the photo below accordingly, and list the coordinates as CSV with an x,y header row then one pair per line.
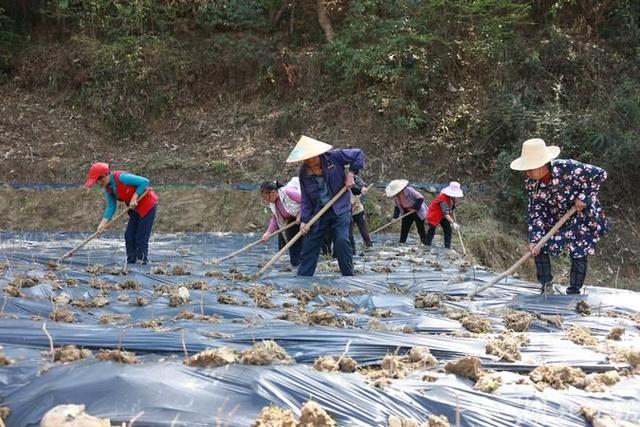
x,y
535,154
453,189
307,148
395,186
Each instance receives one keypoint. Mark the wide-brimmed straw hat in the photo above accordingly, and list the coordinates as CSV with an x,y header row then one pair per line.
x,y
307,148
395,186
535,154
453,189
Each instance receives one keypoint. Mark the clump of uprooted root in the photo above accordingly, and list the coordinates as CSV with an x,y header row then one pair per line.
x,y
189,315
476,324
149,324
554,319
557,376
265,353
13,291
179,296
395,367
518,321
560,376
335,364
227,299
488,382
507,346
119,356
468,366
4,360
24,281
273,416
427,300
432,421
581,335
213,358
114,318
615,334
599,382
128,285
70,353
262,296
471,367
583,308
94,269
5,411
62,315
312,415
316,317
603,420
98,301
71,416
180,270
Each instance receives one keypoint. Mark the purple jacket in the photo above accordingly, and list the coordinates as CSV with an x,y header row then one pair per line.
x,y
333,164
415,200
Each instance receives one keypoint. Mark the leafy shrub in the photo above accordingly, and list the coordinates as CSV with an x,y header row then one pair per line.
x,y
10,44
409,49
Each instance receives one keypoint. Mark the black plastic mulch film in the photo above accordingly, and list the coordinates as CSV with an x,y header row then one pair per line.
x,y
388,277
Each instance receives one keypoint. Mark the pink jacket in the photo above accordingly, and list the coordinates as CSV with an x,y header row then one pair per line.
x,y
295,196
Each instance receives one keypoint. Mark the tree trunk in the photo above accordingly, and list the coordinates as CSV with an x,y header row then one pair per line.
x,y
324,20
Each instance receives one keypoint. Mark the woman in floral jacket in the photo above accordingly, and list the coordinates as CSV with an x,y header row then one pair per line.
x,y
553,187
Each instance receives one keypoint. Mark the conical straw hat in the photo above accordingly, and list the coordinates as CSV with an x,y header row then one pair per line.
x,y
307,148
535,154
395,186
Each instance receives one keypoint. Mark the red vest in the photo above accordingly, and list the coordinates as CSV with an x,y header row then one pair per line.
x,y
124,193
434,213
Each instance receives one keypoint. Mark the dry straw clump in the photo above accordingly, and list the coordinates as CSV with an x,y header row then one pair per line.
x,y
335,364
581,335
265,353
396,367
119,356
507,346
213,358
477,324
518,321
70,353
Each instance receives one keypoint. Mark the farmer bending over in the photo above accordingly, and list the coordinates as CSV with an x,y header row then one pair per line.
x,y
322,175
553,187
127,188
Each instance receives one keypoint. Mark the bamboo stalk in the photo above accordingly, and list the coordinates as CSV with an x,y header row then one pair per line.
x,y
464,250
538,246
252,244
392,222
93,236
295,238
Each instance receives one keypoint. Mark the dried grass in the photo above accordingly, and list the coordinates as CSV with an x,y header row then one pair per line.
x,y
213,358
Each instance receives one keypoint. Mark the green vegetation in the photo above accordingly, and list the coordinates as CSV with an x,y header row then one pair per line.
x,y
473,78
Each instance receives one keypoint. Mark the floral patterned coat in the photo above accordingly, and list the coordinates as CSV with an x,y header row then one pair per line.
x,y
548,202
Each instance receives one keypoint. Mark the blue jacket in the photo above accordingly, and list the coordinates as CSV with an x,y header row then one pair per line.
x,y
333,164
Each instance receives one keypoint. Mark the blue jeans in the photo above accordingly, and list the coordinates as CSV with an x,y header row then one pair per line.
x,y
136,237
339,225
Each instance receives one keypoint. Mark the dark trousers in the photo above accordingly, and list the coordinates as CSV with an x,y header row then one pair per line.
x,y
577,274
405,226
446,228
137,235
296,248
361,221
327,244
339,225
